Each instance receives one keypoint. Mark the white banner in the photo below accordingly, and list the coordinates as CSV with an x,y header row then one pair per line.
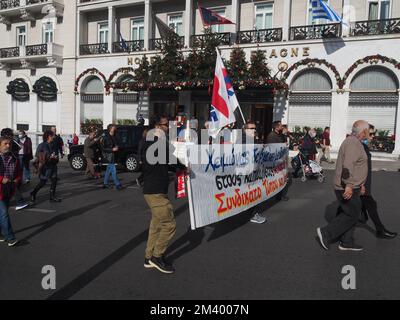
x,y
228,179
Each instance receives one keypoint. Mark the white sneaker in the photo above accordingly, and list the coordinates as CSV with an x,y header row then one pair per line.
x,y
257,218
21,206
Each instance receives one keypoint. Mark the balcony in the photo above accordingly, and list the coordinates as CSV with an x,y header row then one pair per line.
x,y
375,27
318,31
93,49
128,46
156,44
259,36
223,39
29,10
49,54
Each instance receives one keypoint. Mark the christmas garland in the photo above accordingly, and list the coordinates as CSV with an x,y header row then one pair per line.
x,y
374,59
110,83
199,84
92,71
46,89
311,63
341,82
18,89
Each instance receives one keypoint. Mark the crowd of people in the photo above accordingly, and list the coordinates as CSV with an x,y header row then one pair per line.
x,y
352,182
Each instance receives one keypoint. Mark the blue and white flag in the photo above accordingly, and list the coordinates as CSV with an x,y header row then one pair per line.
x,y
321,10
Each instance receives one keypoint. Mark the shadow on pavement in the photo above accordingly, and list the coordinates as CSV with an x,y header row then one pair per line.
x,y
60,218
91,274
186,243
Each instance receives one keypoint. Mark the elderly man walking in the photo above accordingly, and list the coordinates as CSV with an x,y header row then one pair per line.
x,y
350,177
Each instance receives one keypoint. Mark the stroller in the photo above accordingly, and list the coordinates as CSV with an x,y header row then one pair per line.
x,y
309,168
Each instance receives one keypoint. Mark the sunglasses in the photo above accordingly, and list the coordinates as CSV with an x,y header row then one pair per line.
x,y
252,128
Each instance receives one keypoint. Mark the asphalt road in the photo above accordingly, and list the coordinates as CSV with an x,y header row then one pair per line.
x,y
96,238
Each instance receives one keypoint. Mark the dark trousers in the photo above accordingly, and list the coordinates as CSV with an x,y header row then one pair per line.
x,y
370,208
42,183
343,225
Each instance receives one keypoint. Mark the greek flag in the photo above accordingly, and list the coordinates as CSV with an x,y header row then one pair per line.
x,y
322,10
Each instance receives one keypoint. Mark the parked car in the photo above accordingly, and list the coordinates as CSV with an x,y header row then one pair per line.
x,y
127,156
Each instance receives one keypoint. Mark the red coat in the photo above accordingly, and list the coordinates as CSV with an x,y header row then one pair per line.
x,y
75,141
18,181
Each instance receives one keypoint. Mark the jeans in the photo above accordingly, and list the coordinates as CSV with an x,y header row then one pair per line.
x,y
25,168
111,169
5,223
343,225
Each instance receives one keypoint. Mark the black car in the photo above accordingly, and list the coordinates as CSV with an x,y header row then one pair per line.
x,y
128,141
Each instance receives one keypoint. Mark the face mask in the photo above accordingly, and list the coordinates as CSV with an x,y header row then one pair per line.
x,y
312,135
21,136
365,141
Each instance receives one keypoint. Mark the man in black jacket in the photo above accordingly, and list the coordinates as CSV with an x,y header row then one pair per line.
x,y
57,144
369,205
109,148
155,190
46,161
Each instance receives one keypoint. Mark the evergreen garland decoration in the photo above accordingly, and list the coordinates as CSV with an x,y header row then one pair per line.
x,y
18,89
46,89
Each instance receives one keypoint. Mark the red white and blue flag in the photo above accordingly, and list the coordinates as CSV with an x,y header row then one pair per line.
x,y
224,101
210,17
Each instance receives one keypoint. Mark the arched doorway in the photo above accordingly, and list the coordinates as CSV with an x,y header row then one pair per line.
x,y
374,98
310,100
92,99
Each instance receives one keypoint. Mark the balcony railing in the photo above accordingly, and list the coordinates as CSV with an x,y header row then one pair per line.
x,y
36,50
156,44
9,52
259,36
375,27
90,49
8,4
317,31
128,46
224,38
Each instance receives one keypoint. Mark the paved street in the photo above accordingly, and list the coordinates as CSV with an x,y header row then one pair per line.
x,y
96,238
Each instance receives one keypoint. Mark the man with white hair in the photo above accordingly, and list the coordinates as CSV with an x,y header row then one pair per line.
x,y
350,177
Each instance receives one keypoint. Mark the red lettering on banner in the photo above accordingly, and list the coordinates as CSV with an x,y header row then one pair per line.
x,y
237,200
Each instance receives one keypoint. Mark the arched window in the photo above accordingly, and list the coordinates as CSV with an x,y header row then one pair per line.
x,y
92,97
126,101
311,80
374,98
93,85
310,100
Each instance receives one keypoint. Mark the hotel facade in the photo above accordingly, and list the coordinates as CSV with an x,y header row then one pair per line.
x,y
57,57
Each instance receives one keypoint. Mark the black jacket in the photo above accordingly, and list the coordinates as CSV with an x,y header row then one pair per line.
x,y
368,182
155,176
57,145
109,142
273,137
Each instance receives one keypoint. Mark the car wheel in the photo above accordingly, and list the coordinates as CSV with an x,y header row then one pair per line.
x,y
78,162
132,163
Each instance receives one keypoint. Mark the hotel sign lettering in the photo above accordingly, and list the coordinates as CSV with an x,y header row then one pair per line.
x,y
271,53
292,52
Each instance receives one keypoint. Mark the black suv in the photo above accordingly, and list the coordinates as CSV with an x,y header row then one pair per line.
x,y
128,141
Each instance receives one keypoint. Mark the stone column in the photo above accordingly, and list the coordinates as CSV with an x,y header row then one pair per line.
x,y
111,27
188,21
108,113
339,110
148,24
287,17
397,142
